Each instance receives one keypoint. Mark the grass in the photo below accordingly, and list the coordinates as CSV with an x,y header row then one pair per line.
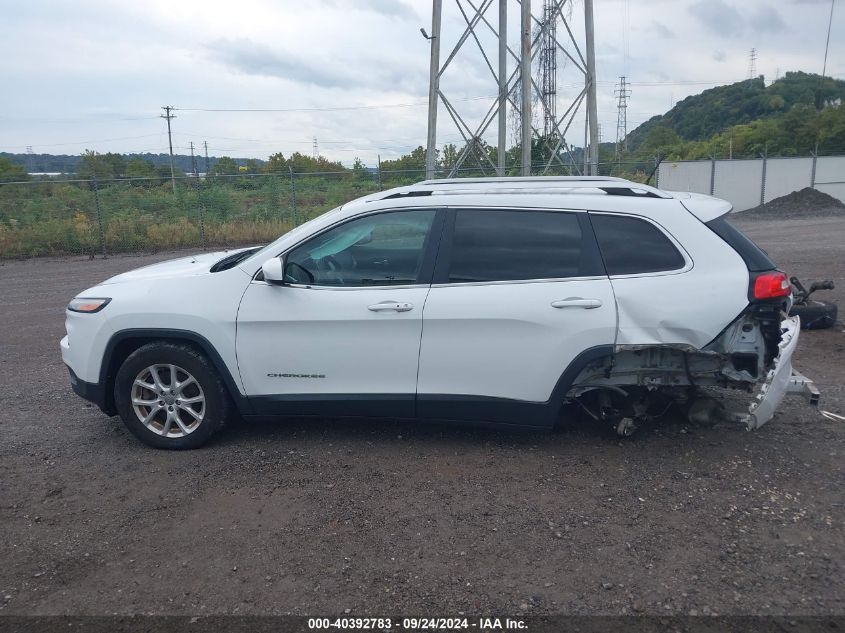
x,y
57,218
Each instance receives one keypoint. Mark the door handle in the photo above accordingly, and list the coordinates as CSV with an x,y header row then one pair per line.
x,y
577,302
396,306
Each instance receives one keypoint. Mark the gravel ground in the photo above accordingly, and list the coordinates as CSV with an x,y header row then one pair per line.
x,y
381,517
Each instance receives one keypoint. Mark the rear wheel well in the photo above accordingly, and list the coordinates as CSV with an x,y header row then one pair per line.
x,y
120,351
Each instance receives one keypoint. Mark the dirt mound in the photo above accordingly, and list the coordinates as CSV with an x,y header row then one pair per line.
x,y
807,202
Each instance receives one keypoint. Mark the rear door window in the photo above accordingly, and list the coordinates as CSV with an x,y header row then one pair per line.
x,y
631,246
503,245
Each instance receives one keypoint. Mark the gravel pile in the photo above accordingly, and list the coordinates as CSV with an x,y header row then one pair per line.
x,y
807,202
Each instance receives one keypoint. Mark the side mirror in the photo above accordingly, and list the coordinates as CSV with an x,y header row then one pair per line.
x,y
273,270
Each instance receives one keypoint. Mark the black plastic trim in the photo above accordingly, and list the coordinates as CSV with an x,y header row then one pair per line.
x,y
107,381
629,192
431,248
407,194
335,405
489,410
91,391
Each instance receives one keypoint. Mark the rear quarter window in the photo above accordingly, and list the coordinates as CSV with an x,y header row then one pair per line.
x,y
755,258
631,246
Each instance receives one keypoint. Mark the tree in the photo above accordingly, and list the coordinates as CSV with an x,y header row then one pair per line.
x,y
10,172
302,163
448,156
276,164
360,169
137,167
102,166
225,166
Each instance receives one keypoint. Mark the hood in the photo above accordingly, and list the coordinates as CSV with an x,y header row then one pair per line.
x,y
182,267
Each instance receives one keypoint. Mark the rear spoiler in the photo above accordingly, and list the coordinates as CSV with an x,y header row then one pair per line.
x,y
705,208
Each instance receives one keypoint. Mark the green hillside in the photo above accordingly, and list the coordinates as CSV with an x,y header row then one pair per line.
x,y
702,116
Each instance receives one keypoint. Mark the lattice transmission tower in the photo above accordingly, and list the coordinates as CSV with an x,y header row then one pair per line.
x,y
622,93
548,67
541,39
752,64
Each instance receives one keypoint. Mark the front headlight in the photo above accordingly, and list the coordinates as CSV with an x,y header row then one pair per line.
x,y
88,304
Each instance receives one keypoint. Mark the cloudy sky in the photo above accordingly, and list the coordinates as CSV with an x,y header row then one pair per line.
x,y
93,74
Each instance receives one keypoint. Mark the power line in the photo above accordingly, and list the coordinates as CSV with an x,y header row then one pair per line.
x,y
331,109
827,44
102,140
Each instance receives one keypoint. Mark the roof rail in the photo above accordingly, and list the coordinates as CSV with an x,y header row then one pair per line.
x,y
520,179
548,185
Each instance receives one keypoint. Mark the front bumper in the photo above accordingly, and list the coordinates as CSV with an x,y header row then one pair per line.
x,y
91,391
781,380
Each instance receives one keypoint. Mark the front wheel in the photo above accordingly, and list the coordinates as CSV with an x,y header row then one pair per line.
x,y
170,396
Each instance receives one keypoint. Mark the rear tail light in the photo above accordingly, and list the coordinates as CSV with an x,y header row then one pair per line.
x,y
771,285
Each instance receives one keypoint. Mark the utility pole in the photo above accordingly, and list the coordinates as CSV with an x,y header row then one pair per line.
x,y
168,114
433,87
200,206
622,93
193,162
592,103
525,80
207,168
315,150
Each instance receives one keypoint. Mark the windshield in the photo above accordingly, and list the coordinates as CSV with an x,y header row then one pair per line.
x,y
274,248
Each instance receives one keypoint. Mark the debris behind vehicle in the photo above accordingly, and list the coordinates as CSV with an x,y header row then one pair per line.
x,y
833,416
815,314
807,202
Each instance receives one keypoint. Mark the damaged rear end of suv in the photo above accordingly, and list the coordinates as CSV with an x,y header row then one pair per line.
x,y
742,375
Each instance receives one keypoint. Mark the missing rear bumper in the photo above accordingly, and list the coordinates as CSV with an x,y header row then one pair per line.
x,y
781,380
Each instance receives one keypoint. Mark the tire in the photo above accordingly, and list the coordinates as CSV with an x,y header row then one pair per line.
x,y
815,315
157,414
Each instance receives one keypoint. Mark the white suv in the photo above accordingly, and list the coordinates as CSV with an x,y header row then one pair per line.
x,y
492,300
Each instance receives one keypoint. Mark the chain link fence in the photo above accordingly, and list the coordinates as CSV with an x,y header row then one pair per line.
x,y
101,217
